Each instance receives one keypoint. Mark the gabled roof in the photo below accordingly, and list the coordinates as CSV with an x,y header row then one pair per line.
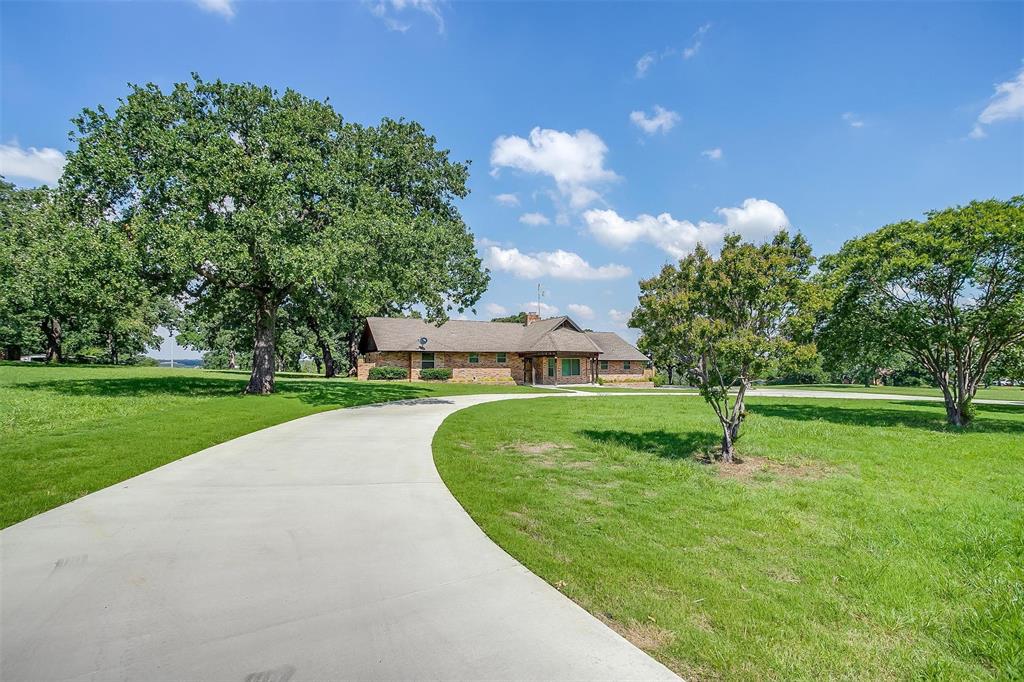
x,y
555,335
404,334
614,347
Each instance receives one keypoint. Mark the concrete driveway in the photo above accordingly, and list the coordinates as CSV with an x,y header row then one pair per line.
x,y
323,548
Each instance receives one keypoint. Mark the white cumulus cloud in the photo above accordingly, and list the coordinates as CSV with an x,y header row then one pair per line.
x,y
558,264
580,310
645,63
698,41
661,121
1006,104
394,15
575,161
37,164
544,309
618,316
713,154
853,120
495,310
534,219
507,199
755,218
225,8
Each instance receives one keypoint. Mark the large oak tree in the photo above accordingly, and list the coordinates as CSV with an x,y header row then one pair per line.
x,y
236,195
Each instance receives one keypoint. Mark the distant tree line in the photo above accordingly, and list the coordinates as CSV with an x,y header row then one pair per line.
x,y
259,224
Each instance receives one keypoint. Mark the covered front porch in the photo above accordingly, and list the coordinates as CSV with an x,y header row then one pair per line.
x,y
552,369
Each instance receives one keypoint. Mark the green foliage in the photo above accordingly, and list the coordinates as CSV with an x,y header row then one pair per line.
x,y
388,373
244,201
519,318
435,373
1008,366
948,292
731,320
660,379
784,570
70,288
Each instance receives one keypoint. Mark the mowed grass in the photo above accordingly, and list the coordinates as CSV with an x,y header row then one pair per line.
x,y
68,431
859,540
991,393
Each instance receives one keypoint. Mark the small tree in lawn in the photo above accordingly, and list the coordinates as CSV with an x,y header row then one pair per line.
x,y
947,291
729,320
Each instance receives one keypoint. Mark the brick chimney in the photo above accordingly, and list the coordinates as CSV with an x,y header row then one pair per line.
x,y
531,318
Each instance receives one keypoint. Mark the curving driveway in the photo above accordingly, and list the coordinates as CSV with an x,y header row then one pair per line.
x,y
322,548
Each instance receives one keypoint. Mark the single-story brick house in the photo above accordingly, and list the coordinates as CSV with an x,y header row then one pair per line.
x,y
551,351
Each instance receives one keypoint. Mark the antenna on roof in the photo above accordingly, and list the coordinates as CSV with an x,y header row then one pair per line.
x,y
540,292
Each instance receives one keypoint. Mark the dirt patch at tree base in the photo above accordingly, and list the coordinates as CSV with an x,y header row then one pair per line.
x,y
749,467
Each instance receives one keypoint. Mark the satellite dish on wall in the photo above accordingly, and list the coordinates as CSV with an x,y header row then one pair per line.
x,y
423,340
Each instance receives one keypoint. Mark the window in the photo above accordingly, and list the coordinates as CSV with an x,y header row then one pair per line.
x,y
625,364
570,367
474,358
551,367
604,364
501,358
426,360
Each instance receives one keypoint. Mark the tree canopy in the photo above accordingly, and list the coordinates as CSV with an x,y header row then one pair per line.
x,y
947,291
238,199
729,320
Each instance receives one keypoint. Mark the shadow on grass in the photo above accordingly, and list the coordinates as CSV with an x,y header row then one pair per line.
x,y
927,415
661,443
312,392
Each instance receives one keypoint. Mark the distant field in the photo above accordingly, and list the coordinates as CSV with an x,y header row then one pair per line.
x,y
859,540
67,431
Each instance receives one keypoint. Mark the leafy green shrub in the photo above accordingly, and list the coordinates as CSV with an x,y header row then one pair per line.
x,y
388,373
436,374
660,379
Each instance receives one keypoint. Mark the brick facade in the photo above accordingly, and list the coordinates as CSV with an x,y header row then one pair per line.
x,y
617,373
368,361
486,370
541,364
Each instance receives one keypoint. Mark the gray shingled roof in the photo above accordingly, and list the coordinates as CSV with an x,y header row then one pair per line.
x,y
556,335
614,347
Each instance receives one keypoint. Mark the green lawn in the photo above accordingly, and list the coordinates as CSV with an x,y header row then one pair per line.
x,y
993,393
67,431
624,389
859,540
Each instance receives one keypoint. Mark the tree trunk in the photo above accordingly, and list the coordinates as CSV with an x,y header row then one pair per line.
x,y
13,352
51,329
353,353
727,443
330,367
261,381
670,383
232,360
319,364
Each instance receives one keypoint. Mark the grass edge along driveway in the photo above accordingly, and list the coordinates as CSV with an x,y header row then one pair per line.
x,y
864,540
67,431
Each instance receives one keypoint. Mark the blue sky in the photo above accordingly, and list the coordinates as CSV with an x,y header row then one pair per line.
x,y
605,138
